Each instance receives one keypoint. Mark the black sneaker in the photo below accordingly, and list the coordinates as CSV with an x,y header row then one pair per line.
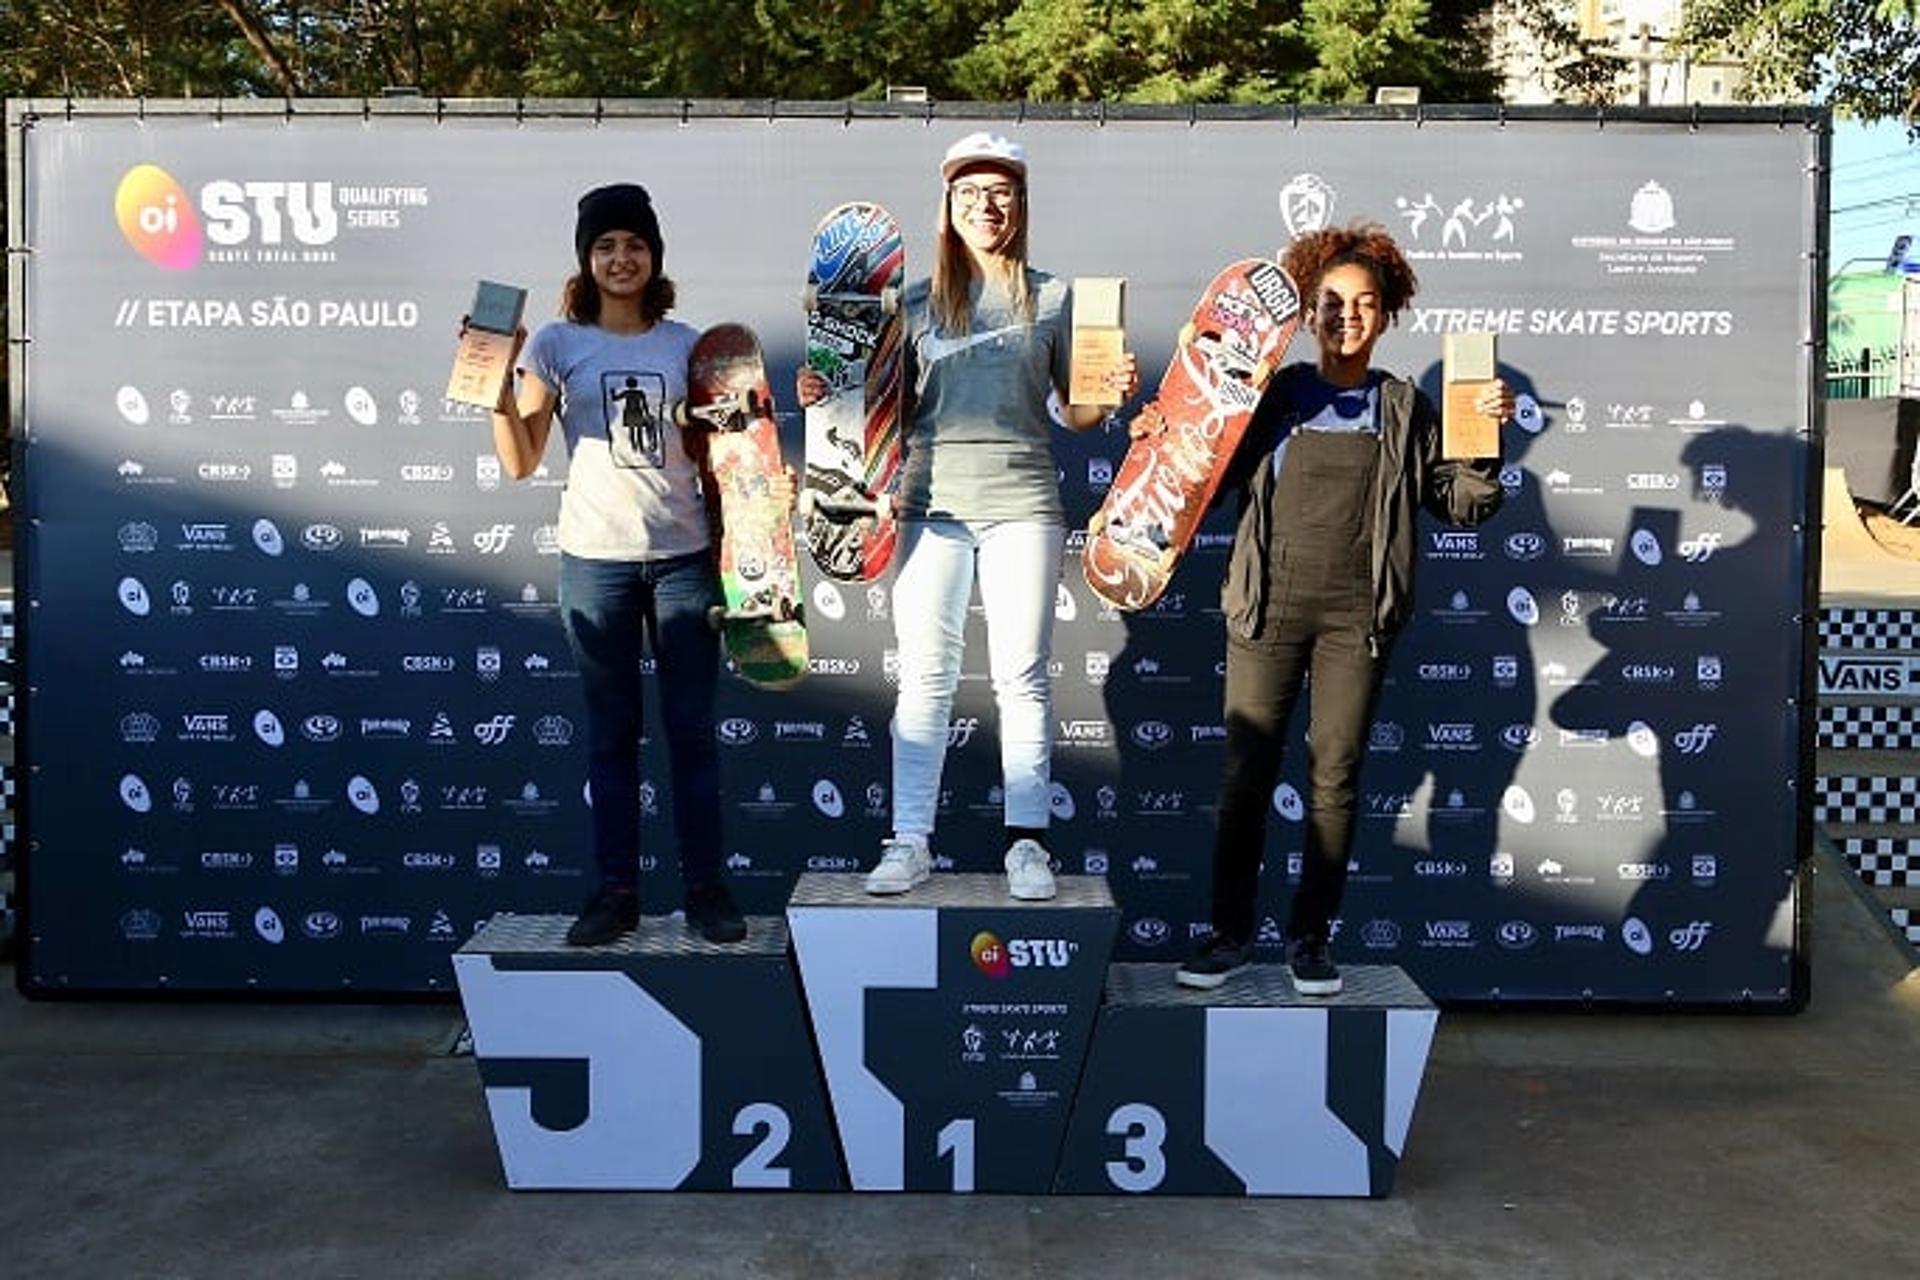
x,y
712,915
609,913
1218,959
1313,973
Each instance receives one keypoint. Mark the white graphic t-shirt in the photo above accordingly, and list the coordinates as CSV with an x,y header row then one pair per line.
x,y
632,493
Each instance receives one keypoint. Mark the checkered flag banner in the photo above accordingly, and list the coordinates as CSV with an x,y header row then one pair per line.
x,y
1884,630
1882,861
1869,727
1854,799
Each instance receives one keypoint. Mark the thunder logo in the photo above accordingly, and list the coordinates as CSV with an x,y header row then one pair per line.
x,y
990,955
157,219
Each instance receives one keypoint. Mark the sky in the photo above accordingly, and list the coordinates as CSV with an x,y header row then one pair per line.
x,y
1875,193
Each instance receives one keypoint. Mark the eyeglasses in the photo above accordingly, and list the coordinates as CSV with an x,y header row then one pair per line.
x,y
969,194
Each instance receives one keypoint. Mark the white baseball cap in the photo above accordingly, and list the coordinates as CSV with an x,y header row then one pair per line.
x,y
984,148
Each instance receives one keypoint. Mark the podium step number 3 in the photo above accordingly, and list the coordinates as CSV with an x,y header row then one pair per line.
x,y
1250,1090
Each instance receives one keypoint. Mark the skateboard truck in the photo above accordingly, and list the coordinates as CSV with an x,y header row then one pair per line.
x,y
730,414
1146,537
848,501
756,610
812,296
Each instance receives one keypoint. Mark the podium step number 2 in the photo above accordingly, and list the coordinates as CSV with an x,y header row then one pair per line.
x,y
659,1063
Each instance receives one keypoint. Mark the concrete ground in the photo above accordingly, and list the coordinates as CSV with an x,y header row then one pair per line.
x,y
142,1140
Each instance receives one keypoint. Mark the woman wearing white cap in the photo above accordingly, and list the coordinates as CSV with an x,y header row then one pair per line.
x,y
988,340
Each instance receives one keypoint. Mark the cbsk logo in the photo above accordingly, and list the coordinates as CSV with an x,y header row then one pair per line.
x,y
158,220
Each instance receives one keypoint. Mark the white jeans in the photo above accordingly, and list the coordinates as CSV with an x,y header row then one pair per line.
x,y
1017,563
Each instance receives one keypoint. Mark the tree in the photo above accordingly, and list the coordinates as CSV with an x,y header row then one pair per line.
x,y
1358,45
120,48
1224,51
1859,56
1575,68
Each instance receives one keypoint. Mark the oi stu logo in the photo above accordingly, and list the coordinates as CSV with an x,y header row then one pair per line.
x,y
157,218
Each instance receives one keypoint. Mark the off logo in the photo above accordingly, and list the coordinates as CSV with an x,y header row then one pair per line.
x,y
157,218
990,955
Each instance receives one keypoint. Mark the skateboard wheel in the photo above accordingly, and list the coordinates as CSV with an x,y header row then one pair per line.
x,y
1261,372
889,300
804,504
716,616
810,297
680,416
1187,332
1098,522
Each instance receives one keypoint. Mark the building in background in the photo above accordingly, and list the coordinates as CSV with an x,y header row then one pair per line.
x,y
1637,33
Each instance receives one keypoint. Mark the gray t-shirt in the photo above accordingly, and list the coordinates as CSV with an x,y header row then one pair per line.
x,y
632,491
979,444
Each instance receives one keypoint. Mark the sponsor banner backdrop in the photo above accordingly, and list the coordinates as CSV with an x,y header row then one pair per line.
x,y
301,713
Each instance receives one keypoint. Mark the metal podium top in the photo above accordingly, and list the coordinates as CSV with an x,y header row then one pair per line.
x,y
509,934
948,889
1265,986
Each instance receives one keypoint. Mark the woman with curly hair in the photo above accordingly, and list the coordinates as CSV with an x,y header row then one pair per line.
x,y
1333,468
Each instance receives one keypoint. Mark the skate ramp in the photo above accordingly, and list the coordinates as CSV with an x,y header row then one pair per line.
x,y
1854,568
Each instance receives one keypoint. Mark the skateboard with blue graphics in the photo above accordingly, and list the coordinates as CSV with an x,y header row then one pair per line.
x,y
854,334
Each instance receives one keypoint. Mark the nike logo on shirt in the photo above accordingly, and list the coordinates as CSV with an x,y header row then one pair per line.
x,y
934,349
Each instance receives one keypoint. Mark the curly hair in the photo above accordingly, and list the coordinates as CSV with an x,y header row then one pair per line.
x,y
1361,244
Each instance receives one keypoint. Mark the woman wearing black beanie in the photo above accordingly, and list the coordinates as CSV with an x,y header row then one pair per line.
x,y
636,569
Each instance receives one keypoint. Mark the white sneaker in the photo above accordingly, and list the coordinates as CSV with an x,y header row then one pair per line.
x,y
903,864
1029,871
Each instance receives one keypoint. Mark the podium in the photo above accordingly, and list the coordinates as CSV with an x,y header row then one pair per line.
x,y
659,1062
1249,1089
960,1041
952,1022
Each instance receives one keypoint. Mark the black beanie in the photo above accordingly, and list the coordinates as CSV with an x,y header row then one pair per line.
x,y
624,206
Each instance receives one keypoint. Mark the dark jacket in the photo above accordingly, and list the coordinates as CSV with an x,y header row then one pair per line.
x,y
1411,474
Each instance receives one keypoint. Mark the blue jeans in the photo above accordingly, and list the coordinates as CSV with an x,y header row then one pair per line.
x,y
610,608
